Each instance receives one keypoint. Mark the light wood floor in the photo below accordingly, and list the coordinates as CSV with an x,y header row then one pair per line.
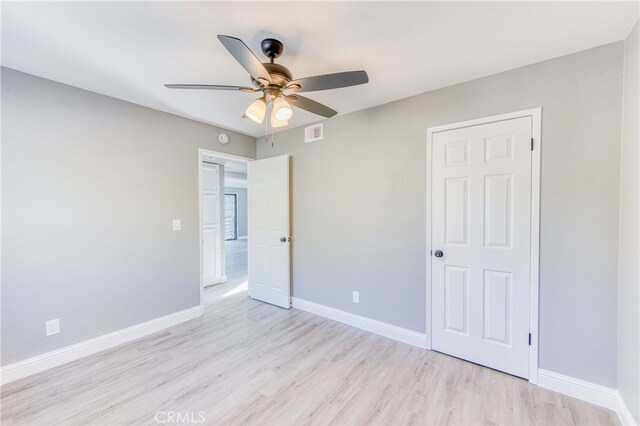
x,y
246,362
236,259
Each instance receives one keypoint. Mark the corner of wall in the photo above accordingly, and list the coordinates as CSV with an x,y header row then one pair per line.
x,y
628,345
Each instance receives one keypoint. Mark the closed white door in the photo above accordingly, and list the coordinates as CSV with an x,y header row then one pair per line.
x,y
481,234
212,267
268,224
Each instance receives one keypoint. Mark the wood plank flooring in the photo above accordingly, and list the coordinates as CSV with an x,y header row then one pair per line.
x,y
246,362
236,260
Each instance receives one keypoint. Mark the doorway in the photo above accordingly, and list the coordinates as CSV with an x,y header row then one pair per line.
x,y
223,229
483,185
259,260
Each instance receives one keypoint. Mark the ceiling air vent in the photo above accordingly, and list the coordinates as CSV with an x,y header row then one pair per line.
x,y
313,133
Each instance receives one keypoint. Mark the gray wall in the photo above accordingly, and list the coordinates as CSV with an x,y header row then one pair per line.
x,y
629,269
359,203
90,185
242,208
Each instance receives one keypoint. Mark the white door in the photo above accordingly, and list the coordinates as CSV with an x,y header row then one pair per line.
x,y
268,223
481,224
212,266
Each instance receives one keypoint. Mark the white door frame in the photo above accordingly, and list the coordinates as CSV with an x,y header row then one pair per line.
x,y
201,154
536,120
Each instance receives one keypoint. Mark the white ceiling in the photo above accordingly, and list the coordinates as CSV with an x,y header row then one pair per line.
x,y
229,165
129,50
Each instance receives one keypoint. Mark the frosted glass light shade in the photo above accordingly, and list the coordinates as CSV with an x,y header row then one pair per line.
x,y
277,123
257,110
282,110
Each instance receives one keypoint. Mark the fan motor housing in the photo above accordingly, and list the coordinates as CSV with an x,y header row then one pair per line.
x,y
279,74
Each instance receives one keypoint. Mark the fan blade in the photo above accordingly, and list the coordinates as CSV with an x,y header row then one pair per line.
x,y
210,87
331,81
245,57
310,105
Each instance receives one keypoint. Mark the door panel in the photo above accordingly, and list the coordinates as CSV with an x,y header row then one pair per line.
x,y
209,253
212,268
497,306
456,300
456,210
498,211
481,221
268,222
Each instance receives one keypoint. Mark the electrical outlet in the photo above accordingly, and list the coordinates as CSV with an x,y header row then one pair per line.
x,y
177,224
356,297
52,327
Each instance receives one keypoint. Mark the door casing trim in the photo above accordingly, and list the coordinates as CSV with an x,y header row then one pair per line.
x,y
536,122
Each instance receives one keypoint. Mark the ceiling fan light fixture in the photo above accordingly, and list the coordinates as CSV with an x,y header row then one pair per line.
x,y
272,79
275,123
281,109
257,110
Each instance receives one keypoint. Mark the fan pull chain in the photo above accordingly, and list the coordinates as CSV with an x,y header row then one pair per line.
x,y
268,116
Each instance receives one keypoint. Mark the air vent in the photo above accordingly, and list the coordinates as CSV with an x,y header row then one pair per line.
x,y
313,133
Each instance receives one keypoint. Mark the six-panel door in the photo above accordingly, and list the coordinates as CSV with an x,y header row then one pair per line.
x,y
212,267
268,223
481,221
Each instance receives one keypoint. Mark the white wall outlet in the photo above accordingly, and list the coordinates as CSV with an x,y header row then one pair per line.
x,y
52,327
356,297
177,224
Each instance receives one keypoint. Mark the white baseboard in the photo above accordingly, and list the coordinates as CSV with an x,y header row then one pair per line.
x,y
624,414
587,391
215,280
580,389
36,364
383,329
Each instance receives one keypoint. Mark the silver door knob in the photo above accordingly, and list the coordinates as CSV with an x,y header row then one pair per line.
x,y
283,239
438,253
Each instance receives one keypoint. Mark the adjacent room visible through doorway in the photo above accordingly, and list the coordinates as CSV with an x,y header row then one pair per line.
x,y
235,221
223,191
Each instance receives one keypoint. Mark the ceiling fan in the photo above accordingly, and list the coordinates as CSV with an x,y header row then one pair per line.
x,y
277,84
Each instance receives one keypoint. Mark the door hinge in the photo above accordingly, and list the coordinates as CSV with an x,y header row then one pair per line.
x,y
529,339
531,144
